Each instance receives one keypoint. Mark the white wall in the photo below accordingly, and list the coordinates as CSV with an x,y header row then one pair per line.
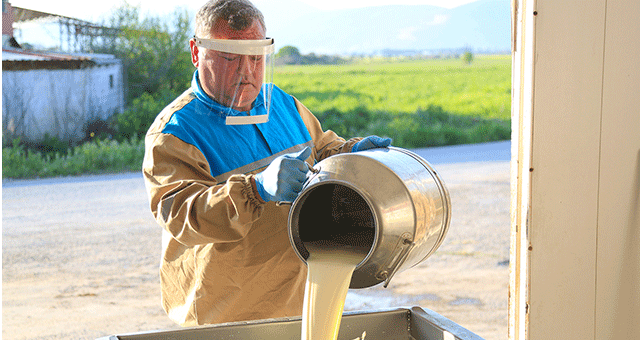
x,y
105,99
576,191
59,102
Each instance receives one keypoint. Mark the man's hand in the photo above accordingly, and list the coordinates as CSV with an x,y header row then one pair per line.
x,y
282,180
371,142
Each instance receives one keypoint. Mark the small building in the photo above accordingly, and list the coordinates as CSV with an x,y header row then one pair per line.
x,y
56,94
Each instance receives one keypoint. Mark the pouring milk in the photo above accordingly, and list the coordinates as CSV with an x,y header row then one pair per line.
x,y
329,274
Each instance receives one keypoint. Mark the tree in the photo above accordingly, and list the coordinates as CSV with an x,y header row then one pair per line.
x,y
467,57
288,55
288,51
156,63
154,51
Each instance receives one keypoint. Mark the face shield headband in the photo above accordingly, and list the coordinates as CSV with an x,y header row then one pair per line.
x,y
242,72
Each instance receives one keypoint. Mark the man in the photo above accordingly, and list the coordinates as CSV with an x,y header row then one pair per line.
x,y
217,160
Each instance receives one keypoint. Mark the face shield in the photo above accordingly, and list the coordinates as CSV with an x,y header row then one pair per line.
x,y
240,77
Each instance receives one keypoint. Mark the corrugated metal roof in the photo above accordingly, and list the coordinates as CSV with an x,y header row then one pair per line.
x,y
17,59
12,56
99,58
17,54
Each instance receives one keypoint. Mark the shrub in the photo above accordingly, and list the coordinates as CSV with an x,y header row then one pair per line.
x,y
18,162
346,124
50,145
426,127
136,119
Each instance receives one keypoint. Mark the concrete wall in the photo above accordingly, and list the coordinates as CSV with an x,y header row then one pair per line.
x,y
59,102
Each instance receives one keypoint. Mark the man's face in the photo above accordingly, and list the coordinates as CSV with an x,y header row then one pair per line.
x,y
225,75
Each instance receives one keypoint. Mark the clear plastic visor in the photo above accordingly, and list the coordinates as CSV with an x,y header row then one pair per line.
x,y
239,76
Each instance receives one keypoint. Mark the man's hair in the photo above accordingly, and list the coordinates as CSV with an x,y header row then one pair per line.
x,y
239,14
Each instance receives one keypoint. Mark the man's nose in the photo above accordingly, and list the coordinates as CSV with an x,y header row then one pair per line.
x,y
246,66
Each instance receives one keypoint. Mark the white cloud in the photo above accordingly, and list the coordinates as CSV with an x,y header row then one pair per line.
x,y
408,34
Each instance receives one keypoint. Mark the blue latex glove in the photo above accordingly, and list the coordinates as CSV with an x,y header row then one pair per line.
x,y
282,180
371,142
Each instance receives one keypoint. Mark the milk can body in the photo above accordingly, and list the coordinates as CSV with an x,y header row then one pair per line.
x,y
388,202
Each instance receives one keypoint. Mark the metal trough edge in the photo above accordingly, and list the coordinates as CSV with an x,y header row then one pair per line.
x,y
388,324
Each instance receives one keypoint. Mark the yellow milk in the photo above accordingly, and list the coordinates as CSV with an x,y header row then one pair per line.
x,y
328,278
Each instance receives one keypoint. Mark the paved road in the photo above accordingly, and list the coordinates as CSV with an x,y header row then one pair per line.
x,y
484,152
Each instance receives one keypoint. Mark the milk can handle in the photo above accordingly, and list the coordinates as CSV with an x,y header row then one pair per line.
x,y
312,170
405,245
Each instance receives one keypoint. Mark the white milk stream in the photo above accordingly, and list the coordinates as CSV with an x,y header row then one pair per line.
x,y
328,278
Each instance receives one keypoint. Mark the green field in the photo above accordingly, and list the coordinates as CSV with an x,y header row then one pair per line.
x,y
482,89
418,103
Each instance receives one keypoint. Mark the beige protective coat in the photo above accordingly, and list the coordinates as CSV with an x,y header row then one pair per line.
x,y
226,253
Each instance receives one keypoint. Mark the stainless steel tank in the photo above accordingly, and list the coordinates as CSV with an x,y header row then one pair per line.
x,y
389,202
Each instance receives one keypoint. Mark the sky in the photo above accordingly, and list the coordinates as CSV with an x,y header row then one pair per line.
x,y
45,35
93,10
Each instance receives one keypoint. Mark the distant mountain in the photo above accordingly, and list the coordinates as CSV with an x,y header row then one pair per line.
x,y
484,25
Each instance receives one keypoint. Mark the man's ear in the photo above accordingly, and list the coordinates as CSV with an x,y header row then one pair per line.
x,y
195,56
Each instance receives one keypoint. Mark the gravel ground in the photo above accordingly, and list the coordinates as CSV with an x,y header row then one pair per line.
x,y
80,257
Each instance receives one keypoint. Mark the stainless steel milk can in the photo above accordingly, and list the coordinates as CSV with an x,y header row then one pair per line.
x,y
388,202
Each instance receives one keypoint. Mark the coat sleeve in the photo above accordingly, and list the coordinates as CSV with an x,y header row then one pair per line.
x,y
327,143
188,202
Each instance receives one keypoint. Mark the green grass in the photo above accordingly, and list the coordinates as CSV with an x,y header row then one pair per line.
x,y
482,89
96,157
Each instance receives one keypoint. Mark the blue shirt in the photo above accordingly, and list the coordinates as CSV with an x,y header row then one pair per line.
x,y
239,149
